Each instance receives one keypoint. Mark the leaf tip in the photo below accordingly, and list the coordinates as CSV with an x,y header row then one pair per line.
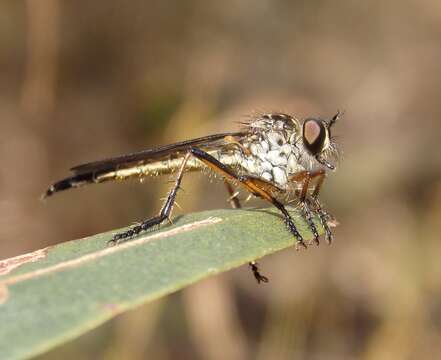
x,y
10,264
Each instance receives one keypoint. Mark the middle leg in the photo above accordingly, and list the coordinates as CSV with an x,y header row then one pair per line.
x,y
235,204
312,201
305,178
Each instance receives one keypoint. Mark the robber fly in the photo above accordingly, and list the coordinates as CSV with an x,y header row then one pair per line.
x,y
274,157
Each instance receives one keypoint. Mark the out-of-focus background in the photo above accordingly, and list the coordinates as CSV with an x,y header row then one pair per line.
x,y
84,80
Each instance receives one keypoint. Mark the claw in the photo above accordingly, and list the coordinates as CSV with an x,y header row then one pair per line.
x,y
329,237
257,275
261,278
302,244
315,241
111,242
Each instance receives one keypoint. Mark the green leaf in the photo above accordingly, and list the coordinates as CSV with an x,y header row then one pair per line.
x,y
55,294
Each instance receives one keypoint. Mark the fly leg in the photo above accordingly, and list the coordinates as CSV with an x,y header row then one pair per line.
x,y
256,186
163,214
254,266
307,202
323,214
305,178
235,204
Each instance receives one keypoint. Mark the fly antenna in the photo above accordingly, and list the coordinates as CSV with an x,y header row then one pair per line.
x,y
335,118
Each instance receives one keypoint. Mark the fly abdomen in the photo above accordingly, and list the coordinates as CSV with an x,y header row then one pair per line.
x,y
154,168
70,182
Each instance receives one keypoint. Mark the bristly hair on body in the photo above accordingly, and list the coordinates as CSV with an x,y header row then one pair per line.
x,y
274,156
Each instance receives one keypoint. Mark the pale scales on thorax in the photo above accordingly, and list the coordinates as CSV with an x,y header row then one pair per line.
x,y
272,151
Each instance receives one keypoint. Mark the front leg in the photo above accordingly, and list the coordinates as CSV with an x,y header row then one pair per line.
x,y
324,217
312,202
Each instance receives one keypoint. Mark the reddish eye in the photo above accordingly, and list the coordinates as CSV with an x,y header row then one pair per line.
x,y
314,135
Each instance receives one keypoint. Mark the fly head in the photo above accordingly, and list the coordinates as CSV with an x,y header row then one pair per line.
x,y
316,136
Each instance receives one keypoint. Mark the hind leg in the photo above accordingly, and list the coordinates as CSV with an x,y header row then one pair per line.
x,y
164,214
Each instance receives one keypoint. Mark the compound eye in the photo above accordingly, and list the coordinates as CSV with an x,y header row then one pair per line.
x,y
314,135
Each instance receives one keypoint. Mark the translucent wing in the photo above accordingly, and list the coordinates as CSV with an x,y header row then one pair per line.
x,y
109,169
155,154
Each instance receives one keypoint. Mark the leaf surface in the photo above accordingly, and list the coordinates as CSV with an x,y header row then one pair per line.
x,y
55,294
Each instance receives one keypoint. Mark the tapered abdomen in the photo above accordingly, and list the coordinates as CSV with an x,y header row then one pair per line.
x,y
126,171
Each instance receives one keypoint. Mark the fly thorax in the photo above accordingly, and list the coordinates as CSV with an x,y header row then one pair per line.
x,y
271,157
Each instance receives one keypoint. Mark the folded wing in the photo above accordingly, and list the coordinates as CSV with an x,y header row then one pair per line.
x,y
155,161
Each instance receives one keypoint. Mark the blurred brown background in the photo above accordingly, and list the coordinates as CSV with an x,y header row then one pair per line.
x,y
82,80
